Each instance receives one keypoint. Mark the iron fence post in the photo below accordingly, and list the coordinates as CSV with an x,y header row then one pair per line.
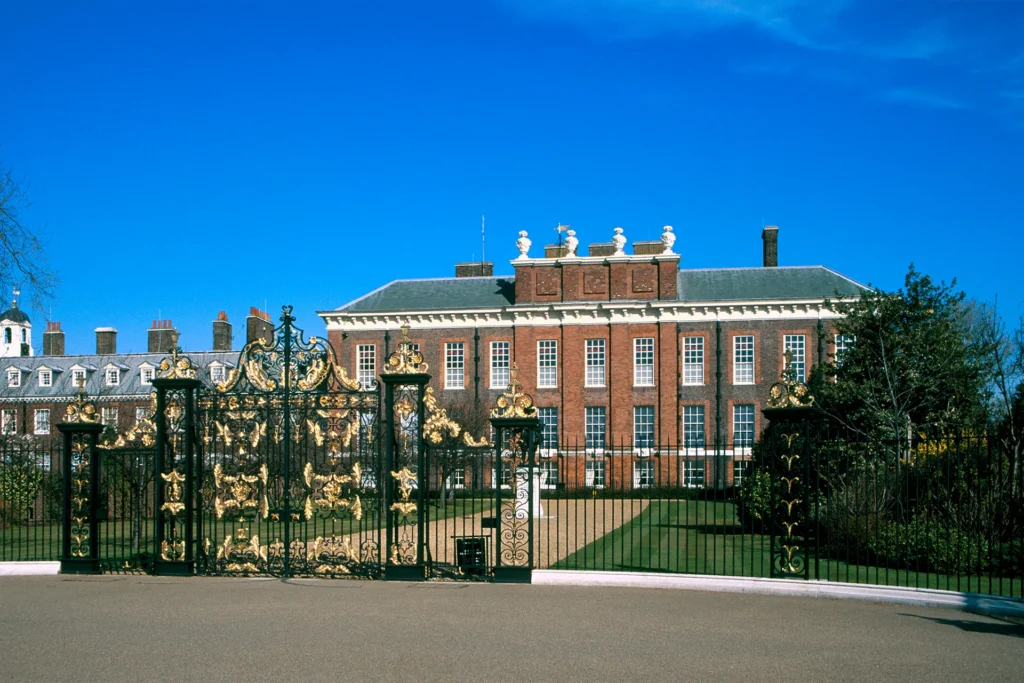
x,y
80,552
398,566
286,318
173,490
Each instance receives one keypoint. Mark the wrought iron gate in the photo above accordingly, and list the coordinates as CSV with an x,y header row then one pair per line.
x,y
288,470
289,467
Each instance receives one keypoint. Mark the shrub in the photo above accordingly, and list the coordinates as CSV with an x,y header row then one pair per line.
x,y
754,500
931,547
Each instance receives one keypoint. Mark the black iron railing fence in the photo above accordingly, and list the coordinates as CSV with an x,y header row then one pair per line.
x,y
31,498
930,512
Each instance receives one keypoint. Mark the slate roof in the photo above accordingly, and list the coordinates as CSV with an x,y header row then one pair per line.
x,y
711,285
759,284
438,293
95,381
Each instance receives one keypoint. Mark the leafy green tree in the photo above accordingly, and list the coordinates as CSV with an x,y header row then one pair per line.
x,y
914,364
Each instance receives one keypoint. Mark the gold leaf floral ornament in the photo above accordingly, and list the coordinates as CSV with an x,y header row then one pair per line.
x,y
514,402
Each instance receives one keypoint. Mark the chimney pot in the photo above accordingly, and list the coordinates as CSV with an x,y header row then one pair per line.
x,y
770,237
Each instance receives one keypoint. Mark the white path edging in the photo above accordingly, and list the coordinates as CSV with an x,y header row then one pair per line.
x,y
29,568
921,597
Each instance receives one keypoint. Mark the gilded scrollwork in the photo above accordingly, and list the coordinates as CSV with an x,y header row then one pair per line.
x,y
789,553
515,517
403,548
176,366
407,360
172,551
242,553
311,364
332,495
80,484
81,409
240,493
514,402
789,392
173,481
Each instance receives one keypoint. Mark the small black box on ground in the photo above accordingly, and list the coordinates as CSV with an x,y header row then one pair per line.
x,y
471,554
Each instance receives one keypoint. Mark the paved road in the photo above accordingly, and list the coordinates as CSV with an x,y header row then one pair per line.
x,y
161,629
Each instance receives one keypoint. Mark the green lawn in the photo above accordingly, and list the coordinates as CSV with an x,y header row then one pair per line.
x,y
703,537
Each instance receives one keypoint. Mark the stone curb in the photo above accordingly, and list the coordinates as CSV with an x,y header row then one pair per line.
x,y
921,597
29,568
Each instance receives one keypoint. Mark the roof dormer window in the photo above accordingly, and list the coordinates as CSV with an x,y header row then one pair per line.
x,y
46,378
217,373
146,374
14,377
77,377
113,377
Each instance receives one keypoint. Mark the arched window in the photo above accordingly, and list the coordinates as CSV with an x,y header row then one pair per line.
x,y
23,335
7,335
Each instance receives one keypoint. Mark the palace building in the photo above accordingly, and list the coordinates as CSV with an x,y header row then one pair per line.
x,y
623,353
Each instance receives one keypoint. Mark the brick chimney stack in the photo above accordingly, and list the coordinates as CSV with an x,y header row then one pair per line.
x,y
474,269
53,339
106,341
221,333
162,336
258,326
770,236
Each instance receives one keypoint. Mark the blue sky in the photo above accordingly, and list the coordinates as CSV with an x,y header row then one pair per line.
x,y
188,158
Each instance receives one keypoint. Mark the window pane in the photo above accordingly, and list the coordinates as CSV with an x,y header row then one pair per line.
x,y
595,363
693,426
739,471
501,355
643,474
547,363
454,365
548,471
643,426
366,365
595,426
693,473
796,344
743,359
549,423
643,362
844,342
743,425
42,419
595,474
693,360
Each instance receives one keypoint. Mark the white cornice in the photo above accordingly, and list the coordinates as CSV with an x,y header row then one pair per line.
x,y
594,260
584,313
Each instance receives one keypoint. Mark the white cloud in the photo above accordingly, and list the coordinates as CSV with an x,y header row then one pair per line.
x,y
809,24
